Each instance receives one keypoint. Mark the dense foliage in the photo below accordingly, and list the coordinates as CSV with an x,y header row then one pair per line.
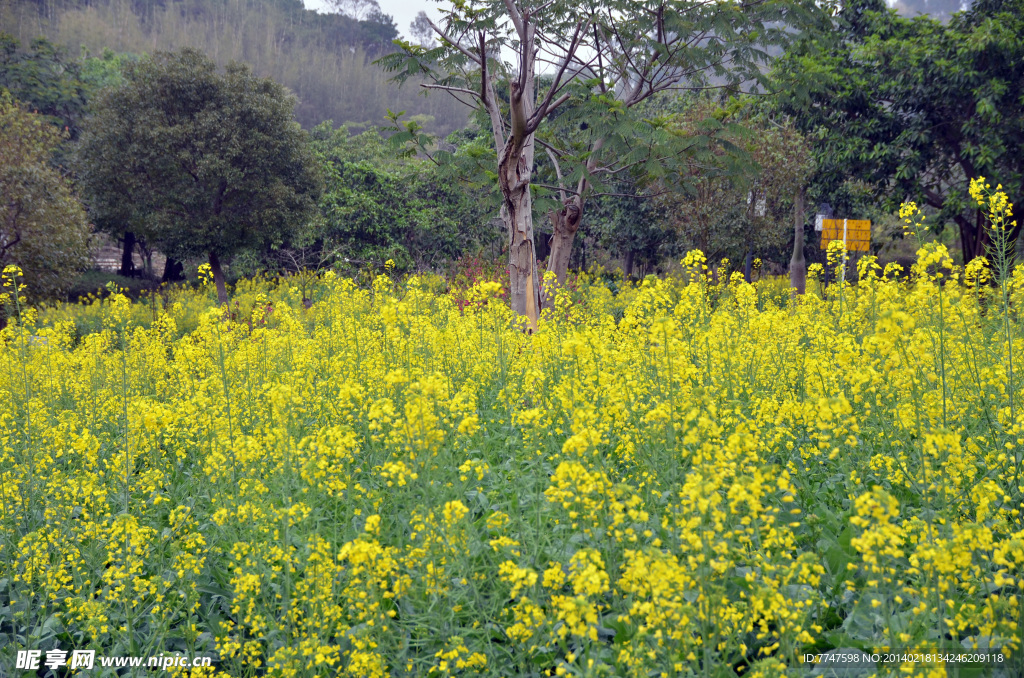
x,y
43,227
685,478
891,108
913,108
378,205
725,208
632,225
606,60
52,83
198,162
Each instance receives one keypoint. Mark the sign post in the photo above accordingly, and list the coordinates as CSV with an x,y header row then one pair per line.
x,y
842,280
855,234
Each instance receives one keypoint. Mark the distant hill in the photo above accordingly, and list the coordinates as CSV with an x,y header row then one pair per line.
x,y
325,59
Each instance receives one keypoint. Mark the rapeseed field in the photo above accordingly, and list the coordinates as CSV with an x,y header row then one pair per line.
x,y
680,477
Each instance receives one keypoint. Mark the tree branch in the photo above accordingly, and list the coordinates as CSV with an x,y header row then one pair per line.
x,y
517,21
643,196
448,88
558,170
444,36
556,83
561,189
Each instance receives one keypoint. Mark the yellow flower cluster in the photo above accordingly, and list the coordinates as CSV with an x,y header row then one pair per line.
x,y
995,203
679,477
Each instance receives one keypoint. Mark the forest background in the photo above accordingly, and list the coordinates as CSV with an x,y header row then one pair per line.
x,y
382,203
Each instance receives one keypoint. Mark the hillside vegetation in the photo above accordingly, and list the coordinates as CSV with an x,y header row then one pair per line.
x,y
325,59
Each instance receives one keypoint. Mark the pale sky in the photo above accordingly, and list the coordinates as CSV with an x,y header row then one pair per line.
x,y
402,11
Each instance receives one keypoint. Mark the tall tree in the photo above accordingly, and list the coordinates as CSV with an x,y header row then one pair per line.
x,y
44,78
421,31
915,107
728,209
197,161
360,10
43,228
604,58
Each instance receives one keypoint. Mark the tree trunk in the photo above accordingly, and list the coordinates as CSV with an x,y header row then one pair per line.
x,y
583,255
128,255
974,238
967,232
630,256
174,271
515,168
565,222
748,265
798,264
218,279
517,213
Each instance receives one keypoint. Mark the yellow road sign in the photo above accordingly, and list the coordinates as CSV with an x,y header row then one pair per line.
x,y
858,233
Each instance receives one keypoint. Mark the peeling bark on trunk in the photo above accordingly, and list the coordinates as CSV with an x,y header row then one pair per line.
x,y
798,264
522,258
218,279
564,224
515,150
515,168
